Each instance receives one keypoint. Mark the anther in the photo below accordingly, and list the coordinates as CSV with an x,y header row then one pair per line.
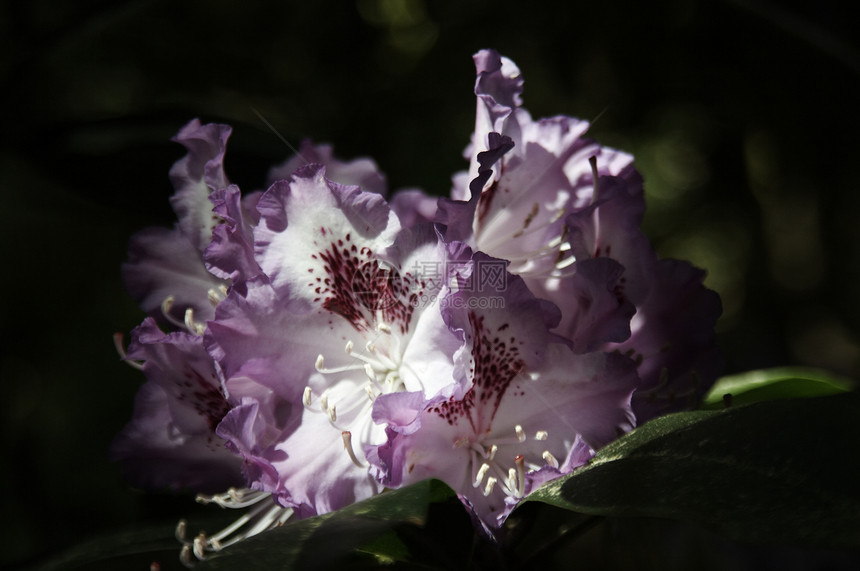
x,y
181,529
347,444
521,435
199,546
488,489
185,556
384,328
368,370
306,396
550,459
216,296
167,304
192,325
492,452
479,477
324,401
117,343
320,363
349,347
332,413
511,482
541,435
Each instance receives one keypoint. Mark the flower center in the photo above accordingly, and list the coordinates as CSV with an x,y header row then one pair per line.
x,y
348,400
490,467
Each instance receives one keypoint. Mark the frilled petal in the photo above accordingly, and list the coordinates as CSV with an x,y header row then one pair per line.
x,y
610,227
168,264
363,173
249,433
414,207
196,175
457,216
673,341
316,472
595,310
498,87
230,254
672,333
171,440
311,228
258,336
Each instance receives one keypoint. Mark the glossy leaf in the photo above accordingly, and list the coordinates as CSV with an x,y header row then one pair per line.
x,y
773,472
770,384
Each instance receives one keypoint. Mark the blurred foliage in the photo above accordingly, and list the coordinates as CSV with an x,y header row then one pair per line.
x,y
741,114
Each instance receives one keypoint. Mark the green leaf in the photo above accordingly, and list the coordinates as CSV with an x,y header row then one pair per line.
x,y
126,549
423,526
770,384
776,472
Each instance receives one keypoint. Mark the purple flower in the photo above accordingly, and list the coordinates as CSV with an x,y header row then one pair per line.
x,y
526,406
331,344
566,213
346,309
194,428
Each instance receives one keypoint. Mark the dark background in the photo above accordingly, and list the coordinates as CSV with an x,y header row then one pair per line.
x,y
742,116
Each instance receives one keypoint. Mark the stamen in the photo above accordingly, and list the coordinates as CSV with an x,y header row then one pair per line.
x,y
347,444
181,529
511,481
541,435
492,452
521,475
260,518
166,306
320,366
592,160
349,346
384,328
185,556
550,459
306,396
192,325
234,498
199,546
332,413
488,489
479,476
521,435
117,343
216,296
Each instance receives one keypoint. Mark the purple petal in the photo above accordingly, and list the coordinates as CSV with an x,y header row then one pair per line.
x,y
171,440
361,172
230,255
196,175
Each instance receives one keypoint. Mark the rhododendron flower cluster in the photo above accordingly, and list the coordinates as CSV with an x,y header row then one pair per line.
x,y
313,344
